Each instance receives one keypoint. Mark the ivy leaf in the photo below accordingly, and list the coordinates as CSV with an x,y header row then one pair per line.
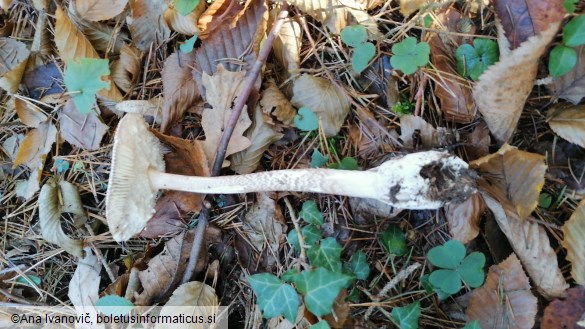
x,y
311,234
393,240
362,55
561,61
275,297
354,36
293,239
409,55
473,60
326,254
320,288
447,256
83,80
318,159
185,7
574,32
311,214
358,265
407,316
306,120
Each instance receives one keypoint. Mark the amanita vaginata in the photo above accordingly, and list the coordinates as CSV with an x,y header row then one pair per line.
x,y
424,180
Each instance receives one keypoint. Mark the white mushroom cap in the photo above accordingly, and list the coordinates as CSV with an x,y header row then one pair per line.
x,y
131,197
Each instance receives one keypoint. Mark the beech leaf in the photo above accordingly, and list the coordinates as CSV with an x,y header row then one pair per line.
x,y
14,56
147,24
567,312
84,131
570,124
179,89
84,287
574,242
99,10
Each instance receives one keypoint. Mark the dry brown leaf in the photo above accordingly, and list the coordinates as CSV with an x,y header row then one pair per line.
x,y
415,130
532,246
147,24
513,175
570,124
261,135
574,242
35,146
184,24
340,310
571,86
14,56
287,44
43,80
26,189
81,130
524,19
324,99
503,88
221,90
11,144
53,200
126,70
407,7
5,4
337,14
219,13
565,313
193,298
84,288
100,10
505,299
454,92
28,113
479,142
464,218
72,44
42,43
179,88
275,103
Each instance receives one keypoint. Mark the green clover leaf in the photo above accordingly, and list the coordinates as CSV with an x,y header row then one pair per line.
x,y
473,60
185,7
275,297
410,55
306,120
355,35
362,55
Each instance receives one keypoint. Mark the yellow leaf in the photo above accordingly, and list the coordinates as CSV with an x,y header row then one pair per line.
x,y
99,10
275,103
407,7
29,113
36,144
14,56
570,124
574,242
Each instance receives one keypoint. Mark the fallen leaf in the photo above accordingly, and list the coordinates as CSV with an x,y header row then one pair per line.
x,y
81,130
324,99
179,89
36,144
337,14
14,56
570,124
407,7
5,4
512,175
463,218
184,24
53,200
574,242
126,70
28,113
11,145
503,88
43,80
453,91
571,86
275,103
261,135
84,288
416,133
531,244
73,45
221,90
565,313
100,10
341,310
478,142
147,24
26,189
524,19
287,44
219,13
505,299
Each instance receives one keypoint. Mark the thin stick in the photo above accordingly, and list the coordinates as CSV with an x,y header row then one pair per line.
x,y
227,134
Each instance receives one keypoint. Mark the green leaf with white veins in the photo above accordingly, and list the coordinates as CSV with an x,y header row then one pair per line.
x,y
311,214
358,265
326,254
83,80
275,297
320,288
407,316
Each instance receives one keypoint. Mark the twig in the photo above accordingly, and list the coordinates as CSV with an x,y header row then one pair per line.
x,y
295,221
227,134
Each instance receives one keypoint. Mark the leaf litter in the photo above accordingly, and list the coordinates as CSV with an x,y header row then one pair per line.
x,y
189,96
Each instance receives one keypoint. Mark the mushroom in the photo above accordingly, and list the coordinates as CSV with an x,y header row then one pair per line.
x,y
424,180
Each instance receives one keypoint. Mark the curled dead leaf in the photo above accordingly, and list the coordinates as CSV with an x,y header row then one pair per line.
x,y
275,103
193,298
84,288
464,218
184,24
574,242
505,300
36,144
570,124
219,13
126,70
147,24
99,10
287,44
416,133
324,99
179,88
14,56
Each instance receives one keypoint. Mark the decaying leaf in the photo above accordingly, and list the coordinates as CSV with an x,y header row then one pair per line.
x,y
53,200
532,246
84,288
26,189
184,24
512,175
84,131
179,88
324,99
147,24
193,298
337,14
221,90
407,7
503,88
570,124
287,45
416,133
43,80
505,299
275,103
219,13
72,45
565,313
14,56
571,86
29,113
99,10
261,135
574,242
464,218
36,145
126,70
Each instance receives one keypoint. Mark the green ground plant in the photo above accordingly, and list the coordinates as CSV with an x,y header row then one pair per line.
x,y
472,61
409,55
363,51
563,57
